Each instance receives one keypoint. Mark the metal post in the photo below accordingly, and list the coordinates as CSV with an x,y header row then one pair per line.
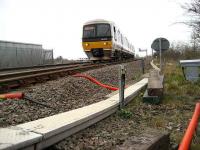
x,y
121,86
142,66
160,55
146,53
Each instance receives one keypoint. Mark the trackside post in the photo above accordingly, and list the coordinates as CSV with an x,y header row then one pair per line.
x,y
121,85
142,62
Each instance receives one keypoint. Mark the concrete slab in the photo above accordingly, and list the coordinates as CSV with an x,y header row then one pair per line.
x,y
58,123
155,83
52,125
154,66
17,138
150,139
58,127
151,99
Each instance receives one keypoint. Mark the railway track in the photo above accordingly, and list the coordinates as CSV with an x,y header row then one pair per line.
x,y
26,76
23,77
4,70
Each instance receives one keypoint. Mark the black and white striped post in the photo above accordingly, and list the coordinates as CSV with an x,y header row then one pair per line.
x,y
122,72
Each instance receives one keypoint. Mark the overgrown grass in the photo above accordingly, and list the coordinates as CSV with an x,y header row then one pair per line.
x,y
177,55
125,114
177,87
180,93
176,109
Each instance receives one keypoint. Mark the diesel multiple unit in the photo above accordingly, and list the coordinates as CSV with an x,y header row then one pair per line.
x,y
102,40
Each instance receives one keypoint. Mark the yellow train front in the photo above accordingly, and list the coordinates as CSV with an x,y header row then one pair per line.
x,y
102,41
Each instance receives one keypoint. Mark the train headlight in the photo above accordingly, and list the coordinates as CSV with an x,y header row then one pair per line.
x,y
105,43
86,44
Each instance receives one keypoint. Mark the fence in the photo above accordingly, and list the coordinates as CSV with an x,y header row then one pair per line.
x,y
13,57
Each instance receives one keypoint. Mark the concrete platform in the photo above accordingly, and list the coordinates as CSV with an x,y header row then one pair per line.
x,y
151,99
51,130
154,66
15,138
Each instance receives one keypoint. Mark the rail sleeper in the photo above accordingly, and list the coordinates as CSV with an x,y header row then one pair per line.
x,y
42,133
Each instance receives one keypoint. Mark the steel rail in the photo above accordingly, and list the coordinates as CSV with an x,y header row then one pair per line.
x,y
17,79
26,72
42,73
43,66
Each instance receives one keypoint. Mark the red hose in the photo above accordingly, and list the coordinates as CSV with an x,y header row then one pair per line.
x,y
185,143
96,82
18,95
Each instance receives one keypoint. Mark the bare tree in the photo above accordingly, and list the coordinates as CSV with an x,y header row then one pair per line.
x,y
194,40
193,10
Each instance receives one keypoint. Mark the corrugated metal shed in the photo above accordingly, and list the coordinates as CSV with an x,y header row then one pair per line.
x,y
16,54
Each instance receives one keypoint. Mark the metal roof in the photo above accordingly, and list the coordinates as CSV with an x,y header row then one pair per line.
x,y
10,44
192,62
1,41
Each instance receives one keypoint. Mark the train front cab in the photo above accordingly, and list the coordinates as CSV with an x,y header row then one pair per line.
x,y
97,41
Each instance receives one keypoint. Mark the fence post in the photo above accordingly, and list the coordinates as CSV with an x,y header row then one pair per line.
x,y
121,85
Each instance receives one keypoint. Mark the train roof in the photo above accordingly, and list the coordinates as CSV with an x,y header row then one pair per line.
x,y
98,21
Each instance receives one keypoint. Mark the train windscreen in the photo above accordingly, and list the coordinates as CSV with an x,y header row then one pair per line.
x,y
103,30
89,31
97,30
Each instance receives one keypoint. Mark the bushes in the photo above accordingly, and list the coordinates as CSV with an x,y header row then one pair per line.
x,y
188,54
177,55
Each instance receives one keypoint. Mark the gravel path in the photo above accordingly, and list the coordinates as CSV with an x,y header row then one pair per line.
x,y
63,94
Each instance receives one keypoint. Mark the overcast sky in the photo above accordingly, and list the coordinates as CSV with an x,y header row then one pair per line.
x,y
57,24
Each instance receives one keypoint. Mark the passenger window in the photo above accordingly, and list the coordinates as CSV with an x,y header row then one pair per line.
x,y
115,35
118,35
122,39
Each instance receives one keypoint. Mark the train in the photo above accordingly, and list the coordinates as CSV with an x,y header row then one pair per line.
x,y
103,41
